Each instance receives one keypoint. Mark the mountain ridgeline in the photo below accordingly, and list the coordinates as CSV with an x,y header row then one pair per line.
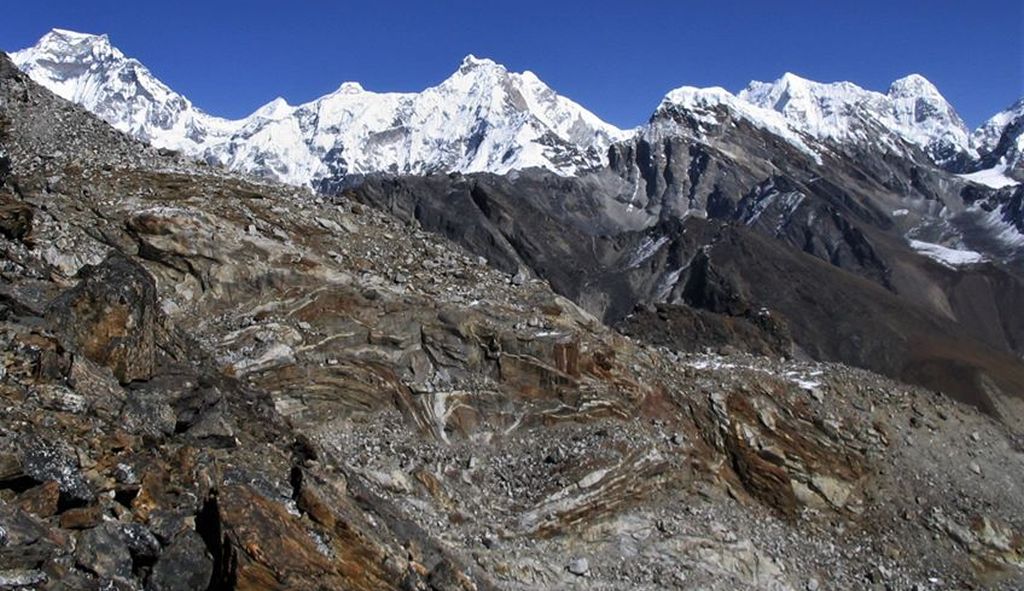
x,y
895,233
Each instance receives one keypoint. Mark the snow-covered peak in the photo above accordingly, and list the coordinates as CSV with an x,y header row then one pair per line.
x,y
482,118
912,112
472,62
350,88
71,46
88,70
914,86
988,136
708,105
1000,143
275,109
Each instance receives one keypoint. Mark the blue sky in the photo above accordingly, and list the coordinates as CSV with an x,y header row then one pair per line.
x,y
616,58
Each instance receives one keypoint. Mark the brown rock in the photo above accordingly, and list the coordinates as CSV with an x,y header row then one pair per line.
x,y
81,517
110,317
265,547
41,500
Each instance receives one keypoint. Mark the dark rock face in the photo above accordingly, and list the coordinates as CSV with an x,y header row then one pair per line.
x,y
833,286
15,218
104,551
185,565
110,317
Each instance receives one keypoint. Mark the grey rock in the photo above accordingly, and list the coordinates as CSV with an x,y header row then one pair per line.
x,y
579,566
185,565
104,551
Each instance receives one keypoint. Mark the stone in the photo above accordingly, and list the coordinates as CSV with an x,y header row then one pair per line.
x,y
146,414
110,317
59,398
103,550
81,517
270,548
214,428
41,500
579,566
43,461
185,565
141,542
21,578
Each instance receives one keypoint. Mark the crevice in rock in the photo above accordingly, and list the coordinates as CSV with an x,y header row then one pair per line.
x,y
225,564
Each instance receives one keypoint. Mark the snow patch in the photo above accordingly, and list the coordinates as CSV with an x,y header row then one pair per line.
x,y
947,256
994,177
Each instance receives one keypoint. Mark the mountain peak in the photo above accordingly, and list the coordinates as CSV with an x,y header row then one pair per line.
x,y
74,46
472,62
74,36
350,87
791,80
913,85
275,109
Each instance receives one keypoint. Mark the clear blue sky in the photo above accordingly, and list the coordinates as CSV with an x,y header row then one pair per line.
x,y
616,58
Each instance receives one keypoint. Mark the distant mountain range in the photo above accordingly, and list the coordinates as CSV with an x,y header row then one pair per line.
x,y
486,119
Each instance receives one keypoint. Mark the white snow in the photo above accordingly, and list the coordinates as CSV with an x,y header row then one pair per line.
x,y
481,119
945,255
994,177
912,112
1000,229
702,104
987,137
645,250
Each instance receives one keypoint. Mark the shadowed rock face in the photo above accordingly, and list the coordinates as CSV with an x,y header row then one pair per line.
x,y
336,398
855,294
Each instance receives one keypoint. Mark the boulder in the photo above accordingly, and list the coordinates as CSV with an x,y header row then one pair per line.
x,y
110,317
185,565
104,551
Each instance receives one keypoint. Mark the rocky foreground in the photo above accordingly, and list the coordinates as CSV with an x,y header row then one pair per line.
x,y
209,383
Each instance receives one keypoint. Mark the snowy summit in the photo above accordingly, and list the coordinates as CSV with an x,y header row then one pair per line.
x,y
481,119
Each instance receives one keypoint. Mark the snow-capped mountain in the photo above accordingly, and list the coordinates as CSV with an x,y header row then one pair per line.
x,y
842,114
909,120
1000,143
709,107
912,112
88,70
482,118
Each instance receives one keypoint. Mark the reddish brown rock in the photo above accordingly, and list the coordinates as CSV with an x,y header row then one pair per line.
x,y
81,517
110,317
41,500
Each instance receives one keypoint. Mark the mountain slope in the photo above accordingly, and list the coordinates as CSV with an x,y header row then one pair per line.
x,y
211,383
482,118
